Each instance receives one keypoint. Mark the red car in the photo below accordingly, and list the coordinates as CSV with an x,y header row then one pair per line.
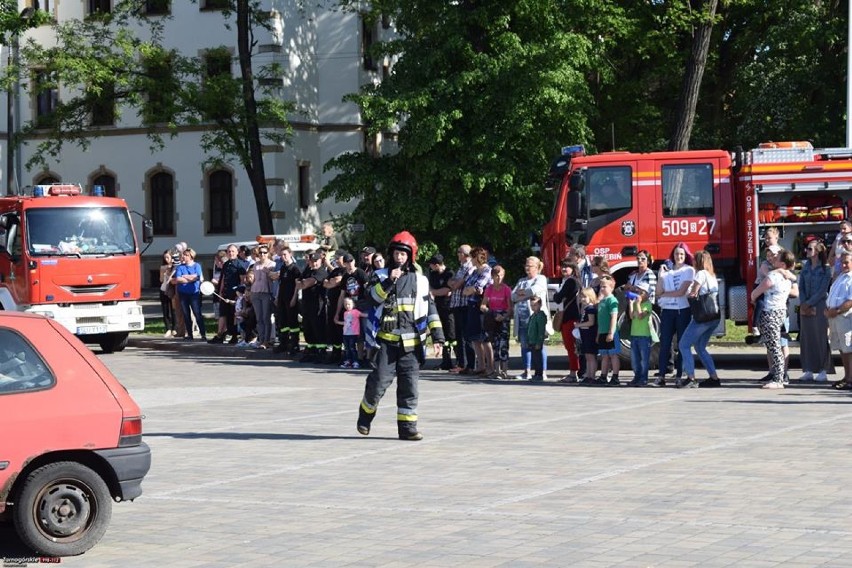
x,y
70,438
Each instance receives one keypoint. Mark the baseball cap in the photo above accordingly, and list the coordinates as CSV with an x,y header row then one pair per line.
x,y
368,250
315,256
348,257
436,259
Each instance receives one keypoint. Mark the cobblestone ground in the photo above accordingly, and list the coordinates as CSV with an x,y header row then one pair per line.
x,y
257,463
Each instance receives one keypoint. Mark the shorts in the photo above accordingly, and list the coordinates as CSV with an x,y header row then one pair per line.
x,y
609,347
840,333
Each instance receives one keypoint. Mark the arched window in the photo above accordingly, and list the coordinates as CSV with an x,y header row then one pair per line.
x,y
108,183
162,189
220,188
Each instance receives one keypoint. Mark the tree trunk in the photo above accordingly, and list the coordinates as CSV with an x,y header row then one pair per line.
x,y
255,169
688,102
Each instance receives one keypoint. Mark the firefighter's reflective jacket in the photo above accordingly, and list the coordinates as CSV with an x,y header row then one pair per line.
x,y
403,311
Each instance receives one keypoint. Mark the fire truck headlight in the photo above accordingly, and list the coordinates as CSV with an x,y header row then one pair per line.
x,y
134,311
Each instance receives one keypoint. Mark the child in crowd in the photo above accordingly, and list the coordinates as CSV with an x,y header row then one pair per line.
x,y
243,316
535,338
497,305
350,319
608,340
640,334
588,333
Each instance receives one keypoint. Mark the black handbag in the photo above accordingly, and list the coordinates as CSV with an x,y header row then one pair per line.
x,y
705,307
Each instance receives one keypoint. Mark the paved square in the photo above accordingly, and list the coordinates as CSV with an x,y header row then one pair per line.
x,y
257,463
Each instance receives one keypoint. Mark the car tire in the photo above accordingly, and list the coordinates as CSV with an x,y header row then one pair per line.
x,y
113,342
62,509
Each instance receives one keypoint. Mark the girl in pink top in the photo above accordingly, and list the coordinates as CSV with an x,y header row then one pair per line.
x,y
497,309
351,322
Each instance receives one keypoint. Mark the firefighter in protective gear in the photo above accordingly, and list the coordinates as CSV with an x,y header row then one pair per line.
x,y
404,314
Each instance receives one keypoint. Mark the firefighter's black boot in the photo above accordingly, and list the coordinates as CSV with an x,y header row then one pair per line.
x,y
408,430
364,420
447,361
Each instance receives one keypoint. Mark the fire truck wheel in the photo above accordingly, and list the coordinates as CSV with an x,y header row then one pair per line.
x,y
63,509
624,332
113,342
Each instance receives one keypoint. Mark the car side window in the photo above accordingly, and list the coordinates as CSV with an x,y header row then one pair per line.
x,y
21,367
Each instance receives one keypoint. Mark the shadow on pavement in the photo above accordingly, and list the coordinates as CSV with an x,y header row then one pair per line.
x,y
253,436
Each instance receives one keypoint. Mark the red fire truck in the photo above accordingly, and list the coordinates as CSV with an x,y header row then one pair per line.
x,y
72,258
618,203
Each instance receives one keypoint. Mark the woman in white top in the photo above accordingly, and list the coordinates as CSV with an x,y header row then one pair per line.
x,y
698,335
533,284
673,282
261,296
775,289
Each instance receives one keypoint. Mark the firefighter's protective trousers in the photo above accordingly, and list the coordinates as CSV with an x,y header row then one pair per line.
x,y
392,359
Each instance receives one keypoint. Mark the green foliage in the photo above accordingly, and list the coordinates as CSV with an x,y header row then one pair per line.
x,y
483,94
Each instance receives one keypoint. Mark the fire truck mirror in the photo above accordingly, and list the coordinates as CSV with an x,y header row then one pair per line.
x,y
576,183
147,231
576,205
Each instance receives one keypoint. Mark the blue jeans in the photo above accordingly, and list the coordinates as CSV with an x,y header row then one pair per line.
x,y
526,353
191,303
640,357
697,335
672,322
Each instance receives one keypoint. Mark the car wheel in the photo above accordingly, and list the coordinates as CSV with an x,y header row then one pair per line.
x,y
63,509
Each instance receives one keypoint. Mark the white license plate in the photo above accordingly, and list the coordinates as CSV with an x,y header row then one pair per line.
x,y
90,329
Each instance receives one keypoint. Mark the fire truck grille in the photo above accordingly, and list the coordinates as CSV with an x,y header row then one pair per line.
x,y
92,289
90,320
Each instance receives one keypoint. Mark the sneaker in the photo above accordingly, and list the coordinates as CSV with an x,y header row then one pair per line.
x,y
544,376
525,376
216,339
614,382
710,383
168,333
601,381
234,340
821,377
242,344
657,383
766,378
537,379
773,385
786,378
806,377
587,381
356,365
345,365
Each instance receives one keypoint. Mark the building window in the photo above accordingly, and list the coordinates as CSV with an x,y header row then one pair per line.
x,y
220,202
103,106
304,185
162,208
688,190
157,7
215,4
368,40
218,85
107,182
100,7
46,180
46,98
160,89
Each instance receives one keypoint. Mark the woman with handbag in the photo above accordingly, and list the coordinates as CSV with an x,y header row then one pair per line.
x,y
703,292
567,316
776,289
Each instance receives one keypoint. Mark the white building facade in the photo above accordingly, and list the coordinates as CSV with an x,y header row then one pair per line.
x,y
322,53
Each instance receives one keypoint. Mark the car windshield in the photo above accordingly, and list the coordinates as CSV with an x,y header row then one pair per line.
x,y
77,231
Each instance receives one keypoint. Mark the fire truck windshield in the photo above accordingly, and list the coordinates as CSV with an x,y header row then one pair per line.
x,y
76,231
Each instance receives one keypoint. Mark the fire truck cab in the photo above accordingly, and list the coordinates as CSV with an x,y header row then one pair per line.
x,y
73,258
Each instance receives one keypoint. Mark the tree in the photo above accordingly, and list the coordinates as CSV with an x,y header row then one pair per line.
x,y
480,98
104,61
705,14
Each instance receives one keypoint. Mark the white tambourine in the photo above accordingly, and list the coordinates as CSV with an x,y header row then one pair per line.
x,y
207,288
